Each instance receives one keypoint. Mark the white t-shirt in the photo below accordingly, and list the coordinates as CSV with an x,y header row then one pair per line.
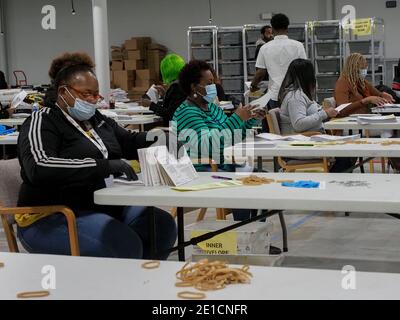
x,y
276,56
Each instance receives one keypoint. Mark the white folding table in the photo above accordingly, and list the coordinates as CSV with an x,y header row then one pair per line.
x,y
79,278
350,123
372,193
259,150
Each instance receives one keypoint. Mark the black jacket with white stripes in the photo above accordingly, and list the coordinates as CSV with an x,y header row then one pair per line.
x,y
61,165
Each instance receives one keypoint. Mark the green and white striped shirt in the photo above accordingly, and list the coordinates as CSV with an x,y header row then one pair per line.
x,y
210,130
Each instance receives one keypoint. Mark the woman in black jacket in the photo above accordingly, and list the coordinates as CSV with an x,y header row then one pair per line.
x,y
66,151
170,68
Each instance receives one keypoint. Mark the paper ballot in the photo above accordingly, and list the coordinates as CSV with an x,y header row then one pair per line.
x,y
342,107
160,168
262,102
152,93
18,99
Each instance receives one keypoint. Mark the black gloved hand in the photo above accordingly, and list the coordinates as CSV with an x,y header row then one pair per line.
x,y
119,167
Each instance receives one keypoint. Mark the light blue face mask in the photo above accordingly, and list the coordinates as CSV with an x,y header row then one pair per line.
x,y
82,110
211,93
363,73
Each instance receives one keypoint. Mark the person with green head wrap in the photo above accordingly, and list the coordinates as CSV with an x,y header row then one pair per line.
x,y
170,68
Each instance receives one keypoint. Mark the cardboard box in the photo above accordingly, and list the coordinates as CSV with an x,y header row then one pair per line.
x,y
157,46
134,55
133,64
117,65
253,238
137,43
124,79
146,74
144,83
117,55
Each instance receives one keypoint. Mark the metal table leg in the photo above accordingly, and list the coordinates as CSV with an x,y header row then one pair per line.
x,y
181,235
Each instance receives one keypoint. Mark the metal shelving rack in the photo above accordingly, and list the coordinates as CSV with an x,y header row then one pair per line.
x,y
327,55
372,46
230,61
250,33
202,44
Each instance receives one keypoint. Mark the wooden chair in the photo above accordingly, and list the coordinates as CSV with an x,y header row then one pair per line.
x,y
10,182
273,119
332,102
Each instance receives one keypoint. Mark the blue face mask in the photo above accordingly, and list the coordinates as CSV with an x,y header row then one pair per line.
x,y
211,93
363,73
82,110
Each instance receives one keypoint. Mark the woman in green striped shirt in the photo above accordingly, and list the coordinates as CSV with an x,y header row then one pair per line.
x,y
204,127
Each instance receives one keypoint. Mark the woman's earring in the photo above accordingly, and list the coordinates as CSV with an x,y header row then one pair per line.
x,y
195,95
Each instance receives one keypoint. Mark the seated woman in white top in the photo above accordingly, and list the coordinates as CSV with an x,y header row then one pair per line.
x,y
298,110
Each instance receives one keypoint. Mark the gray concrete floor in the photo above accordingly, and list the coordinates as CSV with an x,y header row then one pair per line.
x,y
329,240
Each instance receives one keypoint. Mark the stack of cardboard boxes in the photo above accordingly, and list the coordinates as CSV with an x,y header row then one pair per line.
x,y
135,66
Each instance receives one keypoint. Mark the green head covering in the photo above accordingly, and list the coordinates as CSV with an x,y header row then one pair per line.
x,y
170,67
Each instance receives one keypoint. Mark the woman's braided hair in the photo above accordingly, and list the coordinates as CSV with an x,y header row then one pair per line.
x,y
351,71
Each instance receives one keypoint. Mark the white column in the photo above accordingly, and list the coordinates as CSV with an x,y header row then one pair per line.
x,y
101,48
330,9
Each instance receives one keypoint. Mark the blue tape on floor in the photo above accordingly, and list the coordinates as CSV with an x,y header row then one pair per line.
x,y
297,224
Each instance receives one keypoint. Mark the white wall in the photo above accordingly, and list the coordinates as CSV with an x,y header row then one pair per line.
x,y
377,8
31,48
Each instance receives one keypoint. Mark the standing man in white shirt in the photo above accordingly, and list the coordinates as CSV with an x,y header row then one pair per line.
x,y
275,57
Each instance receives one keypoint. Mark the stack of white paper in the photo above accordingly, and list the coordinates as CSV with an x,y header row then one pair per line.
x,y
124,180
327,137
119,95
389,105
276,137
226,105
160,168
376,119
152,93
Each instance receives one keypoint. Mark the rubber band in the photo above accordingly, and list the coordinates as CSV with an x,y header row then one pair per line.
x,y
191,295
207,276
33,294
151,265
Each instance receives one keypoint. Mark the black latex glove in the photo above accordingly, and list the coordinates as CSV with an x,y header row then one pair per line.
x,y
120,167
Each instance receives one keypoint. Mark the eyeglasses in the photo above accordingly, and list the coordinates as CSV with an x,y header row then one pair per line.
x,y
88,94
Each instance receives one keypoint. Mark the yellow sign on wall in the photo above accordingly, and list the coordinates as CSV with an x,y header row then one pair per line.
x,y
362,27
225,243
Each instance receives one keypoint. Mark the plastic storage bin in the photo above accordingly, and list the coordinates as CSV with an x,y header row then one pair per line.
x,y
231,53
251,68
327,82
378,79
378,65
326,32
251,52
236,98
201,38
364,47
230,38
328,65
321,96
328,49
231,69
297,33
232,85
202,53
253,35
